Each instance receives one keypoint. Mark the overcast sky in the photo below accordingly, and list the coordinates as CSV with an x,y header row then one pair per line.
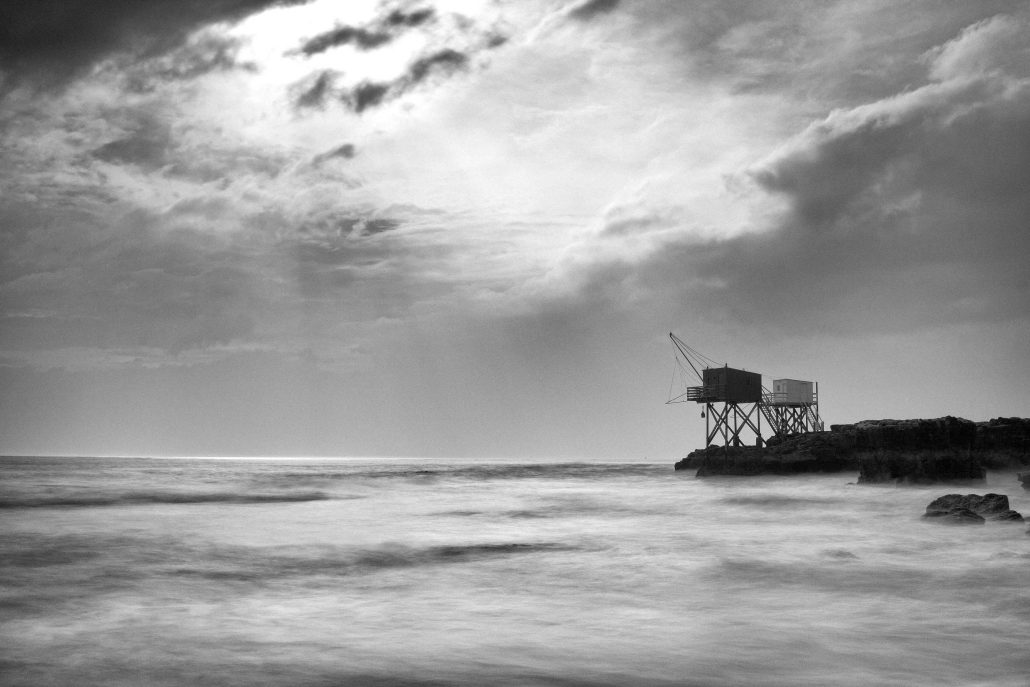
x,y
466,227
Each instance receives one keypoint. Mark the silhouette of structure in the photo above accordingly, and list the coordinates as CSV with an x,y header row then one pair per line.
x,y
735,402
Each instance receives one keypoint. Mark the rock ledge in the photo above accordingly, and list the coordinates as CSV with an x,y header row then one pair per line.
x,y
920,451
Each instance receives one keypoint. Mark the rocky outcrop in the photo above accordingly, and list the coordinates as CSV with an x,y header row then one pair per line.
x,y
1003,443
801,453
916,451
1024,478
751,460
929,466
924,451
971,509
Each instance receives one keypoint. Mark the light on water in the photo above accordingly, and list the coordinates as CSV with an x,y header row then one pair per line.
x,y
175,572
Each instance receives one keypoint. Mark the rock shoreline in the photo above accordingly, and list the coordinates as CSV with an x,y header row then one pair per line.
x,y
920,451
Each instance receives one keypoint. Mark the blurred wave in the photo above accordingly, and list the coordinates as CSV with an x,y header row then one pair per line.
x,y
154,497
777,501
477,472
269,567
233,573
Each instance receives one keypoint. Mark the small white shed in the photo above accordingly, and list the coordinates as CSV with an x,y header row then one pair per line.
x,y
792,392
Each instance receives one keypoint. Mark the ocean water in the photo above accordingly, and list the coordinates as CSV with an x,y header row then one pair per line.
x,y
344,572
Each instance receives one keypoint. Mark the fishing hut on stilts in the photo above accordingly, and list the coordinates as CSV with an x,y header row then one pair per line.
x,y
735,401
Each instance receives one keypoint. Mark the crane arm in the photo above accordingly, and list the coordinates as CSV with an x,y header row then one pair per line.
x,y
692,356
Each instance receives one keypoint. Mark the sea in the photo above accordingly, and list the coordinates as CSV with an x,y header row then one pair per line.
x,y
141,571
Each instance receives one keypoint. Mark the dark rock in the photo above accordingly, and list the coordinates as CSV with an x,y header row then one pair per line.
x,y
992,504
692,461
923,451
1003,442
915,451
953,508
919,467
982,505
1024,477
947,433
798,454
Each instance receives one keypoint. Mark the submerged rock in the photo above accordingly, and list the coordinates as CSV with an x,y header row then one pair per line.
x,y
971,508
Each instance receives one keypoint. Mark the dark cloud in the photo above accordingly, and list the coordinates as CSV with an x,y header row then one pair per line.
x,y
345,151
495,40
329,255
592,8
335,229
380,32
630,221
367,94
225,165
148,145
344,35
314,91
149,142
445,61
206,54
378,226
414,18
370,94
48,42
901,214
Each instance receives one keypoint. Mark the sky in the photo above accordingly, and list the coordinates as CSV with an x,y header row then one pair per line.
x,y
465,228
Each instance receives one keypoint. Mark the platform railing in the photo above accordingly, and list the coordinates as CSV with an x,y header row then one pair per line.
x,y
704,394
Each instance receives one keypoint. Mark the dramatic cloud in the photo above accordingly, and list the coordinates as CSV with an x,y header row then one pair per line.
x,y
345,35
461,39
201,54
365,219
368,94
382,31
50,42
902,213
